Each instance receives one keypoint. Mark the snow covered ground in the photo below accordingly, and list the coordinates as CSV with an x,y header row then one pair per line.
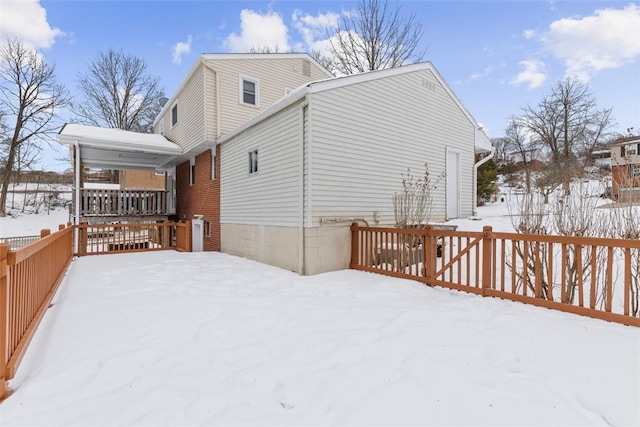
x,y
169,338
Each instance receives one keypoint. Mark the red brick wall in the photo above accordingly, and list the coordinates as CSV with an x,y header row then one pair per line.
x,y
203,197
620,178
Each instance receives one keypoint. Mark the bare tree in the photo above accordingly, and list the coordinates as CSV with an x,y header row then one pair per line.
x,y
567,120
377,37
501,146
30,96
518,143
119,93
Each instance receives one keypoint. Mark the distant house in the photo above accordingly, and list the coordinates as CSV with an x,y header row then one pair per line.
x,y
273,158
625,168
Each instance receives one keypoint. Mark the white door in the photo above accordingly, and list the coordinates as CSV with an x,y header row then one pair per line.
x,y
196,235
453,184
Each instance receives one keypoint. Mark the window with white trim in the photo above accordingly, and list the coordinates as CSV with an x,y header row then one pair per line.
x,y
634,171
192,171
249,91
253,161
174,115
213,163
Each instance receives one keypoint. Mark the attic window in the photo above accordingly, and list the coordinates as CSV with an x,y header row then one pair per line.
x,y
248,91
306,67
174,115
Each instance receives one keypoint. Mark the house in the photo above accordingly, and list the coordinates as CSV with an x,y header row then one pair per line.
x,y
625,168
332,152
220,92
272,158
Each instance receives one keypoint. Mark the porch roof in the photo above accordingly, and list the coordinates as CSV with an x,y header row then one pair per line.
x,y
118,149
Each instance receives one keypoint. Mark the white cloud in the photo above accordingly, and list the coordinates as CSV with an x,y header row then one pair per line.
x,y
533,74
608,39
180,49
528,34
487,70
313,29
259,31
27,20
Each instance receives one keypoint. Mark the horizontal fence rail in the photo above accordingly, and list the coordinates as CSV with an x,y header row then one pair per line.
x,y
595,277
18,241
94,202
29,278
96,239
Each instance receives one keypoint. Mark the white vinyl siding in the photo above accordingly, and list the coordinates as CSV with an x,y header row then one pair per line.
x,y
270,197
189,130
364,137
274,76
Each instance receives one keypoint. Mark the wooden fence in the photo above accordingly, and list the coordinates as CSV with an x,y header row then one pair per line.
x,y
29,278
96,239
594,277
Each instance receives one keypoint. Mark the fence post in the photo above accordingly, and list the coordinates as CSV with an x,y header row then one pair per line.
x,y
44,232
61,227
188,237
354,245
487,241
4,320
428,253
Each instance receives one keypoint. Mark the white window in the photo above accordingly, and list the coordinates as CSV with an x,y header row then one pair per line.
x,y
249,91
635,170
253,161
213,163
192,171
174,115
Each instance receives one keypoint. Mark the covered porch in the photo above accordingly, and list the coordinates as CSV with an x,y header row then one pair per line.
x,y
100,148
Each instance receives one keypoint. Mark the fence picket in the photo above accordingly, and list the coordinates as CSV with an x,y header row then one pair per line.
x,y
533,264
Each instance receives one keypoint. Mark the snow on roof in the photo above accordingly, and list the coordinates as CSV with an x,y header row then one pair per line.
x,y
93,136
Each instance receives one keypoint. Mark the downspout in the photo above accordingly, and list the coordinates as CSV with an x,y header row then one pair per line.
x,y
301,189
480,162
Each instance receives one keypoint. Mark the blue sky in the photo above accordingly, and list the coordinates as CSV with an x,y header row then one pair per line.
x,y
497,56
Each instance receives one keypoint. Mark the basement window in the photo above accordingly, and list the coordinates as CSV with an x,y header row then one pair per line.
x,y
253,161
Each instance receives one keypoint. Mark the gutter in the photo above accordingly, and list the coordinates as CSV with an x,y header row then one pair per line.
x,y
480,162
